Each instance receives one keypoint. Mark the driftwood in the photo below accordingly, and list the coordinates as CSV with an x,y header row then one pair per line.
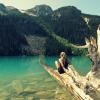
x,y
94,78
72,81
82,87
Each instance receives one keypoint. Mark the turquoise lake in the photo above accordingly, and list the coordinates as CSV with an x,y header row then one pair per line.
x,y
23,78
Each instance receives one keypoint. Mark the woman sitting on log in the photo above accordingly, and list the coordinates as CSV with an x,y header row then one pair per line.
x,y
62,63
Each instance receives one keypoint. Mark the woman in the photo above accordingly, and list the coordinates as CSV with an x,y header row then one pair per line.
x,y
62,63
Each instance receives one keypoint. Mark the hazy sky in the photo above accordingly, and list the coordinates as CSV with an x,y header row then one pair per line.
x,y
86,6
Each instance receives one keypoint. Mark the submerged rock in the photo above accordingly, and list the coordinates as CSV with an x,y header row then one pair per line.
x,y
4,94
30,98
17,85
17,98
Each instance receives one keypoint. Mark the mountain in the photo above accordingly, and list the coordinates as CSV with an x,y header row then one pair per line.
x,y
41,30
3,9
68,23
92,21
12,10
71,24
14,31
40,10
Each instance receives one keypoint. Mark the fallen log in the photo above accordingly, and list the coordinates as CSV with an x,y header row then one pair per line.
x,y
68,81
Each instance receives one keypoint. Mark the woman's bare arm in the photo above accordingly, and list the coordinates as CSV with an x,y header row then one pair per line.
x,y
56,64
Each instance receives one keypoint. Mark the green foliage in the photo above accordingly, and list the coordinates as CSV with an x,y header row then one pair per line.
x,y
76,51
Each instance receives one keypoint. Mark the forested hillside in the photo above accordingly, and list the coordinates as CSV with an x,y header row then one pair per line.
x,y
41,30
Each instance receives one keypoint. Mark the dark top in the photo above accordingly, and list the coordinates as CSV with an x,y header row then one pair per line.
x,y
65,64
60,69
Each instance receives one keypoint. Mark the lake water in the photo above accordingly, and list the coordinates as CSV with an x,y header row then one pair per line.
x,y
23,78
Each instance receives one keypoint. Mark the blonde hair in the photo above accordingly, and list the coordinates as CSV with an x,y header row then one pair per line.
x,y
62,54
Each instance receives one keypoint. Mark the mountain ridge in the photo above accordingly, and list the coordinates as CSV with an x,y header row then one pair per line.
x,y
58,26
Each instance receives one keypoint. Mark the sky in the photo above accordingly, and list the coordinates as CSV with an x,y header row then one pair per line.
x,y
86,6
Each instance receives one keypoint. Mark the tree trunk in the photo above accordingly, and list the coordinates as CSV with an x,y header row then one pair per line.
x,y
98,41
